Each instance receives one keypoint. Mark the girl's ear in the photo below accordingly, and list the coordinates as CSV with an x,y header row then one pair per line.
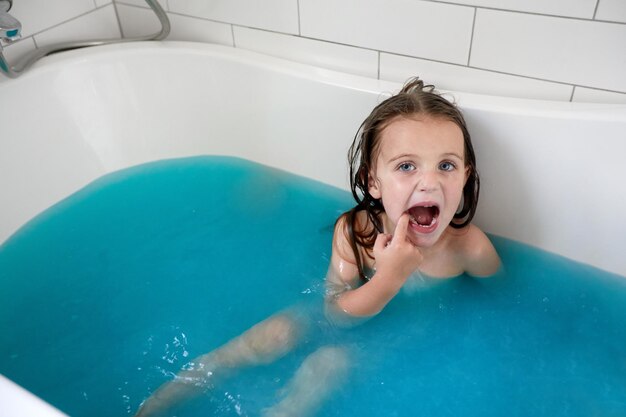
x,y
468,171
374,188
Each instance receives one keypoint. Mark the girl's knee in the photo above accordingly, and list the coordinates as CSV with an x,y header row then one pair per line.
x,y
273,337
328,362
281,329
333,354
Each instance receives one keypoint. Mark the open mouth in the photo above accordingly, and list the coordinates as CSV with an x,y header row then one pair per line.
x,y
424,217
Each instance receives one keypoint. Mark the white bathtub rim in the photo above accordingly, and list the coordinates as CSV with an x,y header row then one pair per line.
x,y
18,402
513,105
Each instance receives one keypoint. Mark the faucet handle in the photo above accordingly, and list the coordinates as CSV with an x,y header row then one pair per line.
x,y
5,5
10,27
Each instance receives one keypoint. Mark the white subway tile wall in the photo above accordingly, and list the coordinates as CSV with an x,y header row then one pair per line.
x,y
410,27
39,15
275,15
198,30
100,3
587,95
462,78
566,50
612,11
142,3
570,8
551,48
322,54
100,24
137,21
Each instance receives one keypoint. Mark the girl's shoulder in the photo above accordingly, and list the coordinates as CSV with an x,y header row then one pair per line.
x,y
347,226
341,239
476,252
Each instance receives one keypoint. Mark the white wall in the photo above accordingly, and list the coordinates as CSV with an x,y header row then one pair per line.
x,y
566,50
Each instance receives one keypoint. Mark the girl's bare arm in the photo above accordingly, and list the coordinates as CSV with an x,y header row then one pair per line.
x,y
396,258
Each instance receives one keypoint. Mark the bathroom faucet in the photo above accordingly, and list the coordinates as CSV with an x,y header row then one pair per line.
x,y
10,27
10,30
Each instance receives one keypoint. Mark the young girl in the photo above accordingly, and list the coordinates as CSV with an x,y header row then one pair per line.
x,y
413,176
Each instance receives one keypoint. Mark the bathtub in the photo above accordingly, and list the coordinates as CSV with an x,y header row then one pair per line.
x,y
551,172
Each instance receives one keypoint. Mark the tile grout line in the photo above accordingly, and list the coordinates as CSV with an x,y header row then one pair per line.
x,y
71,19
469,53
299,20
589,19
117,17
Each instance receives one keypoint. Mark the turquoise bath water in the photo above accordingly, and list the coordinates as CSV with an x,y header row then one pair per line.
x,y
107,294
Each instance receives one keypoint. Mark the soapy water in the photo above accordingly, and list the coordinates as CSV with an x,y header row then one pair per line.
x,y
109,293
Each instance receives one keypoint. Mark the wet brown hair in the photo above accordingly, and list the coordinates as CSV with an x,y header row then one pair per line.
x,y
415,98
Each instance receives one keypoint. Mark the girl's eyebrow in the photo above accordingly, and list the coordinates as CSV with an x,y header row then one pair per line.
x,y
402,156
453,154
413,156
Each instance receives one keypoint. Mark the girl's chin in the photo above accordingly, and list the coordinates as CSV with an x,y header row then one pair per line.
x,y
424,241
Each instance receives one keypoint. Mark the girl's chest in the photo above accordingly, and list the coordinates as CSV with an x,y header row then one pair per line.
x,y
442,263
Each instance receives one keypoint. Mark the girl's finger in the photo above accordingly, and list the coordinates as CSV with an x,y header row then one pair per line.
x,y
382,240
399,235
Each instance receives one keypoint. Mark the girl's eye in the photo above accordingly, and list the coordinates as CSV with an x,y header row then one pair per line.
x,y
405,166
447,166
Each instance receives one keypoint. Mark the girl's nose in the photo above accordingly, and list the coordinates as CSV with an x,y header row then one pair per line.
x,y
427,182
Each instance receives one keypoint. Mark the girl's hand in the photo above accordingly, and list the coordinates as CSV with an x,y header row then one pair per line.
x,y
396,256
395,259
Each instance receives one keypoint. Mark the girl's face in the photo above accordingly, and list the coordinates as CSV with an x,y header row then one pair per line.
x,y
420,169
